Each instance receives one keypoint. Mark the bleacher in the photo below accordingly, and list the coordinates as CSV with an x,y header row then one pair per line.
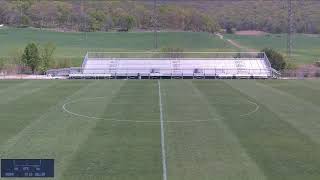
x,y
159,67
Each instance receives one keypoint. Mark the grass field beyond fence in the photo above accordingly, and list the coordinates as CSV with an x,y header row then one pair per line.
x,y
217,130
306,48
72,46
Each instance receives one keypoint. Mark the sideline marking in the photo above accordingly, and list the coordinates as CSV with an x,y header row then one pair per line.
x,y
164,163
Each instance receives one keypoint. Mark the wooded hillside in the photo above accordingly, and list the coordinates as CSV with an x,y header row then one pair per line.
x,y
209,16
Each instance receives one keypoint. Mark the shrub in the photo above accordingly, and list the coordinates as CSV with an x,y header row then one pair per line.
x,y
291,66
276,59
47,52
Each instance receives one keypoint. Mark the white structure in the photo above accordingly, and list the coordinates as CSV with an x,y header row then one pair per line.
x,y
175,65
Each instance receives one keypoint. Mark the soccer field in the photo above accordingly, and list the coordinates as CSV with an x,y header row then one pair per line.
x,y
165,129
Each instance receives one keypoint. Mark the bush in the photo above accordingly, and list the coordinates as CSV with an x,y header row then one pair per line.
x,y
276,59
47,52
96,20
291,66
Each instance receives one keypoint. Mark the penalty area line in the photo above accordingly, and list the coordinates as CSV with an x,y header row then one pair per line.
x,y
163,149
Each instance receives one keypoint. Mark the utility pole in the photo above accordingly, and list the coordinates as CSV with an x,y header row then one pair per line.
x,y
155,25
85,19
290,28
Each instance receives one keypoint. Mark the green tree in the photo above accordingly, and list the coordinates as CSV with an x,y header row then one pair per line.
x,y
209,25
31,57
276,59
64,12
25,21
97,19
46,56
127,22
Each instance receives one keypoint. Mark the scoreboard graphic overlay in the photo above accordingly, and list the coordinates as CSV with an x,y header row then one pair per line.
x,y
27,168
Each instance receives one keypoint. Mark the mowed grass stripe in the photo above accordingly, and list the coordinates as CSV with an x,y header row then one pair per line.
x,y
28,129
300,89
4,84
279,149
17,114
7,86
123,150
28,88
302,114
201,150
57,134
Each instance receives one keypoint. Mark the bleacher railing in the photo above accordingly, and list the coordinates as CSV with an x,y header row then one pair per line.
x,y
172,72
115,55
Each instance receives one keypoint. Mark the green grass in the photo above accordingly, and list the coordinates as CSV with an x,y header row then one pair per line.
x,y
208,132
73,46
306,48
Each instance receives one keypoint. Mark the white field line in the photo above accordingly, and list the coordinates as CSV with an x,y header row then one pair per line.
x,y
163,149
65,109
253,111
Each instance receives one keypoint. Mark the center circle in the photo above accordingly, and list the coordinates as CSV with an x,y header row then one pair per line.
x,y
86,103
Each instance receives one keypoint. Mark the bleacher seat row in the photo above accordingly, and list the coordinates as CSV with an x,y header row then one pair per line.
x,y
220,67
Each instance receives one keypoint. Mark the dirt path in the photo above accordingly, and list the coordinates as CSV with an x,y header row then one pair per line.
x,y
236,44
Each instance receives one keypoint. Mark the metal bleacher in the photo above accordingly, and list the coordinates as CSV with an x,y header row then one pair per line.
x,y
168,65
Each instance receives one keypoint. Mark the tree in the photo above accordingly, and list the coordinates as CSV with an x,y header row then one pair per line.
x,y
97,19
126,22
123,20
276,59
31,57
46,56
229,29
64,12
25,21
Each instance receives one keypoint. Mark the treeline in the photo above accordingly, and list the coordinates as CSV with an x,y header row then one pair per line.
x,y
209,16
